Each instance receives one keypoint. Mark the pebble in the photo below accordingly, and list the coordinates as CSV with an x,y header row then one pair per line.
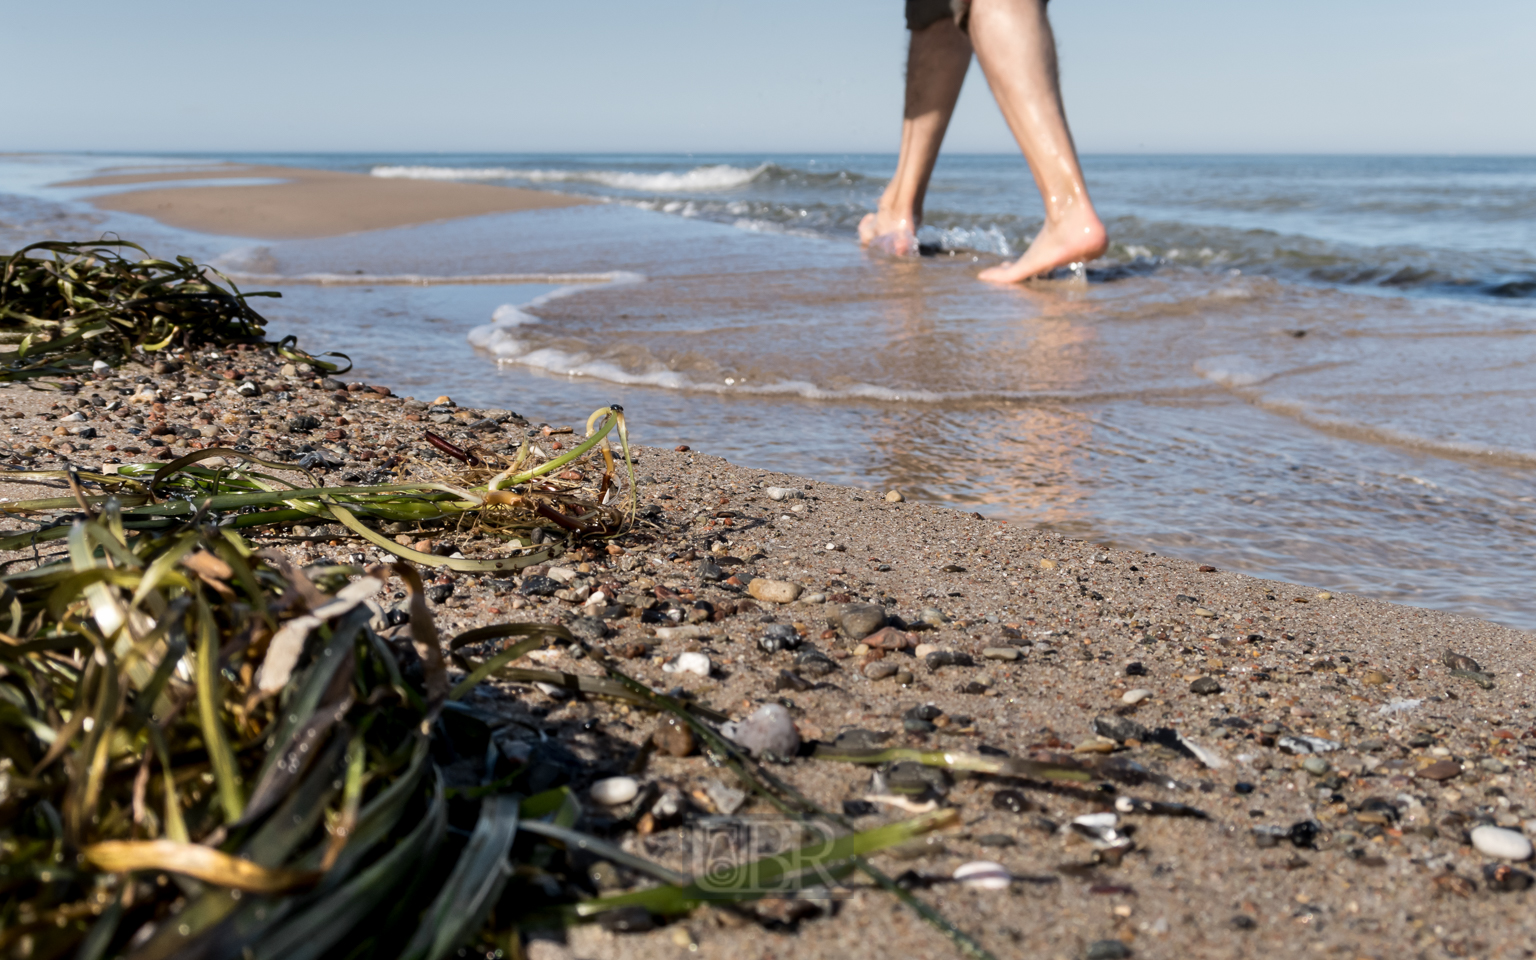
x,y
1120,729
814,663
1011,800
691,662
948,658
933,616
784,493
1501,843
1107,950
904,677
1207,614
880,670
615,790
1304,745
894,497
692,631
778,636
672,737
1373,678
1205,685
726,799
923,649
774,591
888,638
768,731
1316,766
983,875
1001,653
1134,697
1440,770
859,620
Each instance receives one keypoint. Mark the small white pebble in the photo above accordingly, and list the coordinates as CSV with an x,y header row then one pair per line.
x,y
923,649
615,790
784,493
983,875
1097,821
1135,696
101,366
1501,843
690,662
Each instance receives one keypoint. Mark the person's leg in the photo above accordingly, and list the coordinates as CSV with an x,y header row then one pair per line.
x,y
1017,51
937,60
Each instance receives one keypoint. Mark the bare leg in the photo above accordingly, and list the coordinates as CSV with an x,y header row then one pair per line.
x,y
937,60
1017,51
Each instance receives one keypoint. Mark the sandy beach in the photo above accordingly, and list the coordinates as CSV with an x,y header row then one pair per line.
x,y
1312,764
1037,646
306,203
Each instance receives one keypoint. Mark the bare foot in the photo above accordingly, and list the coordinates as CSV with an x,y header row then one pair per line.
x,y
889,234
1077,239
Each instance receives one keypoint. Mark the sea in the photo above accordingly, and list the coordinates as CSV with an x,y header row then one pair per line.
x,y
1319,369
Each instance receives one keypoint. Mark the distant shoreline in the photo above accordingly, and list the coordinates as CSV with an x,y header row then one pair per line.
x,y
306,203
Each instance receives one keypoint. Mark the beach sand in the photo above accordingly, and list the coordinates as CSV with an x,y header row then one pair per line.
x,y
1382,865
1389,868
307,203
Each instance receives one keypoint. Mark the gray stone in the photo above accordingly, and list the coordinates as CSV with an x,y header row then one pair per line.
x,y
1000,653
1205,685
859,620
1121,729
814,663
1107,950
769,731
948,658
1316,766
880,669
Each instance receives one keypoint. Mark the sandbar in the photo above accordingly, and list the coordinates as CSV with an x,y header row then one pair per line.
x,y
305,203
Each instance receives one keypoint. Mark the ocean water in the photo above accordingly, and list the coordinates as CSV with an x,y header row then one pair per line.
x,y
1319,369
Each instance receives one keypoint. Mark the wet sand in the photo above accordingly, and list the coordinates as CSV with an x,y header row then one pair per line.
x,y
1384,865
307,203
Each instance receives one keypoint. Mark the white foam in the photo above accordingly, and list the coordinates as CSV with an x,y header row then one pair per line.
x,y
1233,370
719,176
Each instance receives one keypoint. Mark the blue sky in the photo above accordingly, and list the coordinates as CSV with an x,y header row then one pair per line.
x,y
514,75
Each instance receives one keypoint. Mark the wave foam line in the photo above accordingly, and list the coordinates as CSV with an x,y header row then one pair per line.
x,y
428,280
700,179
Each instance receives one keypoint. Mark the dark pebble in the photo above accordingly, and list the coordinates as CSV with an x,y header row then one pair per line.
x,y
1120,729
1011,800
948,658
814,663
1107,950
924,711
1244,922
711,572
1135,669
1304,833
971,687
915,780
1205,685
859,808
438,592
778,636
1503,878
626,920
1243,787
588,628
859,620
537,586
914,725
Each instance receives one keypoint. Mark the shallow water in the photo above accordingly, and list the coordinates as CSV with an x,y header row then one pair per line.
x,y
1311,369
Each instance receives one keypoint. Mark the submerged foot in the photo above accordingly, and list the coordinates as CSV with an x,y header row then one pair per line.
x,y
891,235
1077,239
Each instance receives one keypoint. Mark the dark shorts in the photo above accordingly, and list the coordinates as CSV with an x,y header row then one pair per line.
x,y
922,14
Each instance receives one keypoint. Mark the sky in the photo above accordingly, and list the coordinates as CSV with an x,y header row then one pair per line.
x,y
1305,76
